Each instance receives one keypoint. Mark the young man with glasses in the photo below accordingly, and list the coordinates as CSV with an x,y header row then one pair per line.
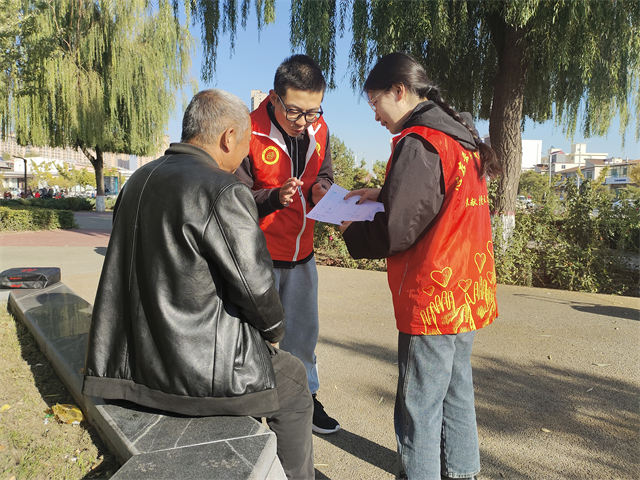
x,y
289,170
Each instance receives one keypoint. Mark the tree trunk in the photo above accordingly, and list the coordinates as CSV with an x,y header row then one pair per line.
x,y
505,120
98,166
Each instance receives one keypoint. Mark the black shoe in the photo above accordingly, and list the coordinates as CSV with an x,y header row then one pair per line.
x,y
322,423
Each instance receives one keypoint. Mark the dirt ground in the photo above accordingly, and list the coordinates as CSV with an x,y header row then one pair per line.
x,y
33,445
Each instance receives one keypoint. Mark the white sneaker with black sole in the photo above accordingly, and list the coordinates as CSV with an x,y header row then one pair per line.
x,y
322,423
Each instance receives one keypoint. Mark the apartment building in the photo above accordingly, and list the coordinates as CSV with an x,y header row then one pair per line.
x,y
257,97
14,172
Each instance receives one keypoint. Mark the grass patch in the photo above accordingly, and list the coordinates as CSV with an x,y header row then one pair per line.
x,y
31,445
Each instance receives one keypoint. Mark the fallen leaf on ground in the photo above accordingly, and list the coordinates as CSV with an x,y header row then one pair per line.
x,y
5,407
601,364
545,430
66,413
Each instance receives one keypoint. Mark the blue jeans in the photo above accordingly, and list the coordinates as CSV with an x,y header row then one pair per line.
x,y
298,290
435,417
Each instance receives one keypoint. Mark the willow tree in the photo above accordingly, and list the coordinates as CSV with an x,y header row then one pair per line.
x,y
574,62
97,75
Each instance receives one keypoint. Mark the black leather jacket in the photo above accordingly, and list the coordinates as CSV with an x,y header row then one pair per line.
x,y
186,303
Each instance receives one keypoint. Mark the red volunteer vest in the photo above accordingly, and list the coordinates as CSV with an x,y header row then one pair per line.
x,y
289,232
446,282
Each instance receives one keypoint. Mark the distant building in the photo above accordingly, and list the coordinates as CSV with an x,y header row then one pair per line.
x,y
531,152
560,161
14,175
257,97
579,154
617,176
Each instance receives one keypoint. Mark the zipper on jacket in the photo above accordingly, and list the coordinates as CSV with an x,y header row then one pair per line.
x,y
300,175
304,224
304,206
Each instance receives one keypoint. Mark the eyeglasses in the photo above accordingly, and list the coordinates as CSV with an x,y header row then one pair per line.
x,y
293,114
372,102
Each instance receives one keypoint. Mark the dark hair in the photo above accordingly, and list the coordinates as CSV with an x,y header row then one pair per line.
x,y
401,68
299,72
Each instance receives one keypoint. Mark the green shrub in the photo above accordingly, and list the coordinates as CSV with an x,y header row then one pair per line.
x,y
109,202
331,250
68,203
581,244
28,218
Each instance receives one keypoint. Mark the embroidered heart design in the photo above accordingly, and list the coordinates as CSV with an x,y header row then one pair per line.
x,y
491,276
481,258
441,277
490,248
429,290
464,284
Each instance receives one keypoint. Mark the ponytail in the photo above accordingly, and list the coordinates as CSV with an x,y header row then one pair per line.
x,y
401,68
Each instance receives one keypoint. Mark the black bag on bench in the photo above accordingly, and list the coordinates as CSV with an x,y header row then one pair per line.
x,y
29,277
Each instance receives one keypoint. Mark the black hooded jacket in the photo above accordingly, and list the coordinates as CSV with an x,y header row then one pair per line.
x,y
186,303
413,191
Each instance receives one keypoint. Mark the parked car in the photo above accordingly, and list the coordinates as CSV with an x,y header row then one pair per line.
x,y
623,202
524,202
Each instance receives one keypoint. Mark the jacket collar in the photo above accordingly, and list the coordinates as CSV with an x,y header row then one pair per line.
x,y
191,150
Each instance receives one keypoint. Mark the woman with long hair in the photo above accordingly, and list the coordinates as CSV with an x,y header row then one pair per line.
x,y
435,232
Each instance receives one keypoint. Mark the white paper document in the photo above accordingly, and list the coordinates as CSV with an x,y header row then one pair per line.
x,y
333,208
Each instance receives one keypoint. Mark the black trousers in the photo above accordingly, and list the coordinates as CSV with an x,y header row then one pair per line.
x,y
292,421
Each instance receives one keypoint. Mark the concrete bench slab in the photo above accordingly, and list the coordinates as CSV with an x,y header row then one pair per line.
x,y
150,443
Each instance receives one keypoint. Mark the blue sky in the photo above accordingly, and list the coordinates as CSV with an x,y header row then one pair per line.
x,y
256,57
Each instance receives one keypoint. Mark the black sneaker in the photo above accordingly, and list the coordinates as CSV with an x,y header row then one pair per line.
x,y
322,423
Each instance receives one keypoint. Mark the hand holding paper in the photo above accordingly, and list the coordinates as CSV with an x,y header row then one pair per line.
x,y
333,208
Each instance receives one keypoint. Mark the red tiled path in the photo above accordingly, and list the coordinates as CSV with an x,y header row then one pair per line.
x,y
94,231
57,238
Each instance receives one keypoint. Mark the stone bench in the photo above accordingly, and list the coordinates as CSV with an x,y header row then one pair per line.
x,y
148,443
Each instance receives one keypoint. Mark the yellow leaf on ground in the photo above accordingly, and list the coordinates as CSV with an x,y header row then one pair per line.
x,y
5,407
66,413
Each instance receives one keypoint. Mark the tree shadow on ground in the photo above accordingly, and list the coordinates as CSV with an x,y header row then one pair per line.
x,y
362,448
387,355
594,419
598,414
590,307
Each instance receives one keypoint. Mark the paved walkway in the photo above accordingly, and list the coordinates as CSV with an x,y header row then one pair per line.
x,y
556,376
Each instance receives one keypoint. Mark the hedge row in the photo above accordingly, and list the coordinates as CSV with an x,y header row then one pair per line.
x,y
28,218
67,203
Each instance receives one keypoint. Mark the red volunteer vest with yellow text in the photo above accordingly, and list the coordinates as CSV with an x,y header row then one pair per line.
x,y
446,282
288,232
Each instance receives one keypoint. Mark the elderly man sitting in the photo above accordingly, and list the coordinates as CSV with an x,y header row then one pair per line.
x,y
186,312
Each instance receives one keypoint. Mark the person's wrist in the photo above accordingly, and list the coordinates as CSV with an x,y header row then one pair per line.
x,y
274,199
